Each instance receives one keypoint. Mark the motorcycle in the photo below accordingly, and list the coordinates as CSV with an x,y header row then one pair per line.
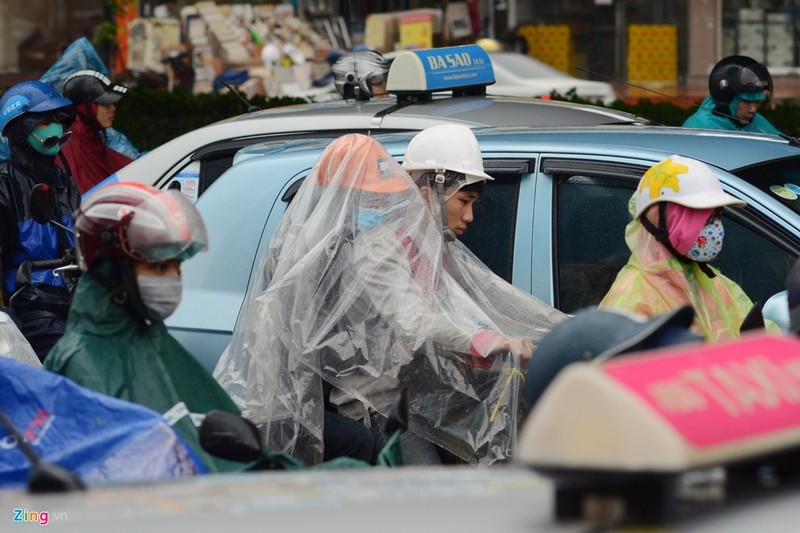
x,y
232,437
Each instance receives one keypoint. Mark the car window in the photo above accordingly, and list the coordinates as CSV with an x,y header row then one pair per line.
x,y
212,168
591,213
779,179
187,180
756,253
491,235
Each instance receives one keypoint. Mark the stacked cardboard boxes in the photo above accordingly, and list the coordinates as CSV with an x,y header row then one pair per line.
x,y
223,37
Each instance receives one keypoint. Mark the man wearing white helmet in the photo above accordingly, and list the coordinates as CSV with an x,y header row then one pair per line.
x,y
675,232
446,164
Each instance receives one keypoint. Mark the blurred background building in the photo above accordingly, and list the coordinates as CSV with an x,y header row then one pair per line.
x,y
665,44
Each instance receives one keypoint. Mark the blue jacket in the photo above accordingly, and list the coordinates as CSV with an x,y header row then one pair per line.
x,y
22,238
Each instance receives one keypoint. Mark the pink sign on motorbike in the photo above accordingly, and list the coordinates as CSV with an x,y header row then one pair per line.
x,y
722,393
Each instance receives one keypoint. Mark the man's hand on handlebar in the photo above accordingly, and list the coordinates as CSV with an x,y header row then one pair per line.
x,y
522,347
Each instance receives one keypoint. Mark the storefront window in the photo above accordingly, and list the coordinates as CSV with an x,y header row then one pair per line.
x,y
763,30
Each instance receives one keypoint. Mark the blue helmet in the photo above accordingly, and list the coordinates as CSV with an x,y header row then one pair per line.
x,y
29,97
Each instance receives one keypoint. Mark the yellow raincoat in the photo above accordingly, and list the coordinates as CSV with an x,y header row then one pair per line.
x,y
653,281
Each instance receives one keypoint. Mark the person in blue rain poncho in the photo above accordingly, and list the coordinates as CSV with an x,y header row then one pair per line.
x,y
739,85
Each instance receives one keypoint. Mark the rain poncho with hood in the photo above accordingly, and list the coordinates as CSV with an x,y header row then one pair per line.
x,y
705,117
89,157
654,281
354,292
107,349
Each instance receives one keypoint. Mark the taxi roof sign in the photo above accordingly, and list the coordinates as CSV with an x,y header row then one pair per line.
x,y
462,69
670,410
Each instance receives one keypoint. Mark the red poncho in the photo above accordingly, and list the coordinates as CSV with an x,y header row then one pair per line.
x,y
90,160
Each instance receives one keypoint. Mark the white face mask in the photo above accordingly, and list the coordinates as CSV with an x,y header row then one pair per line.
x,y
709,242
160,294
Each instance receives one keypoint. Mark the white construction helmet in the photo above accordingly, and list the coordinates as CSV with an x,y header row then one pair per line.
x,y
683,181
446,147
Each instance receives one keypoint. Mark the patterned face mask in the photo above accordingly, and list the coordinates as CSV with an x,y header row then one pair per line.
x,y
709,242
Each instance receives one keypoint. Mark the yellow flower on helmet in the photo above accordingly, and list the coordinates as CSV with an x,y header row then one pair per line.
x,y
664,174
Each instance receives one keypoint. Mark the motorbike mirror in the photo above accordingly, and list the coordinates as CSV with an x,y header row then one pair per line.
x,y
230,436
49,477
42,202
754,319
44,477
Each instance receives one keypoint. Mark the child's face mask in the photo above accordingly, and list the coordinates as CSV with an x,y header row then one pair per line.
x,y
46,139
709,242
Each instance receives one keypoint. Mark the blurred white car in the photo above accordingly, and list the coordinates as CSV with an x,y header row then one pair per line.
x,y
521,75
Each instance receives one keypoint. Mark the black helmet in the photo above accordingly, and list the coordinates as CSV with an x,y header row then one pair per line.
x,y
735,75
359,70
92,86
597,334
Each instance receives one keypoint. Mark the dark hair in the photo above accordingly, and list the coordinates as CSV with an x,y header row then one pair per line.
x,y
476,187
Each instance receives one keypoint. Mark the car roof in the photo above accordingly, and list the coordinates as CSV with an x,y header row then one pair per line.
x,y
726,150
385,114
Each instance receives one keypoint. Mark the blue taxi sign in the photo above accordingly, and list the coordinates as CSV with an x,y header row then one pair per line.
x,y
458,68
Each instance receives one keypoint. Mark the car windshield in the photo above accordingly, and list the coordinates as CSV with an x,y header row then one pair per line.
x,y
779,179
524,66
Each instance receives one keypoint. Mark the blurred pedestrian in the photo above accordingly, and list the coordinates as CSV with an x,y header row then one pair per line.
x,y
88,155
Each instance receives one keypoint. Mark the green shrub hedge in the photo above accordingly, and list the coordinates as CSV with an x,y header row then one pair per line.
x,y
151,117
784,115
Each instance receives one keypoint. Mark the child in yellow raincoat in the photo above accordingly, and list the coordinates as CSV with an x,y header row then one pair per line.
x,y
675,232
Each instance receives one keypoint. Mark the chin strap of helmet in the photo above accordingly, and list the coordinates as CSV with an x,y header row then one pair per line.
x,y
662,236
438,186
117,276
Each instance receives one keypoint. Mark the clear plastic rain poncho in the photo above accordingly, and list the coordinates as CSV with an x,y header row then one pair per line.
x,y
653,282
14,345
353,291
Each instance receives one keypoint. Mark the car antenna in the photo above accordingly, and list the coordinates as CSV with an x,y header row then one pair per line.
x,y
793,141
248,106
